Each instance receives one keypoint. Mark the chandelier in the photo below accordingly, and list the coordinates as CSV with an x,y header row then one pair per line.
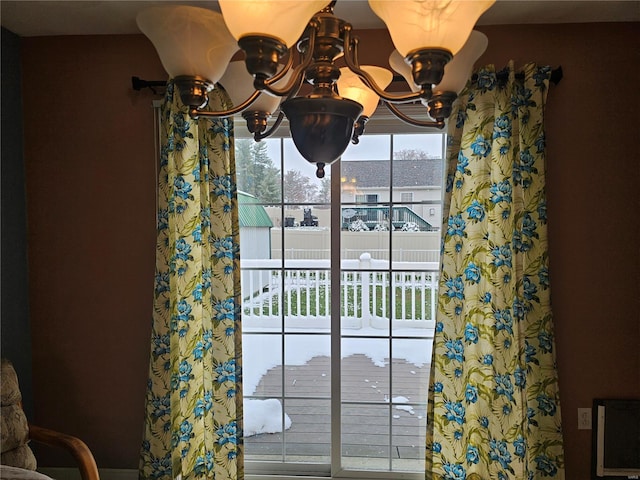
x,y
290,43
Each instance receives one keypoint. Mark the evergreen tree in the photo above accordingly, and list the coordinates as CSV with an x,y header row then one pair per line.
x,y
324,195
298,188
255,171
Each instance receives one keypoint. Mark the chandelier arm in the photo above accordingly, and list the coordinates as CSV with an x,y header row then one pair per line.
x,y
439,124
351,44
260,136
282,72
293,86
195,113
350,58
299,77
294,91
298,73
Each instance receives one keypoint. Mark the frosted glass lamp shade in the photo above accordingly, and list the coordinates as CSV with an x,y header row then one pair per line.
x,y
429,24
190,41
238,83
350,86
282,19
458,70
403,68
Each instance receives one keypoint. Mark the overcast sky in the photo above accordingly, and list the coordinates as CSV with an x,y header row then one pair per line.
x,y
371,147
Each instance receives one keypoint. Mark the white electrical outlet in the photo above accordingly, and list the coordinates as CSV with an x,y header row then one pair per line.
x,y
584,419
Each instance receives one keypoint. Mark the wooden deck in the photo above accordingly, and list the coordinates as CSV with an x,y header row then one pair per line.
x,y
375,431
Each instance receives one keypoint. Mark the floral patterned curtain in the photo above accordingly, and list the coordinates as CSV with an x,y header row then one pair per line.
x,y
193,420
494,410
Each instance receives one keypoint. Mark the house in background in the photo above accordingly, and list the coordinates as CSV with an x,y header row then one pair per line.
x,y
78,192
416,187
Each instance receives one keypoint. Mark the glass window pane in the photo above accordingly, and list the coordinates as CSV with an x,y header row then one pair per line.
x,y
356,242
413,299
365,370
411,363
308,365
261,354
309,438
365,436
307,232
411,245
406,197
417,181
408,426
258,169
365,298
417,185
301,184
428,145
365,182
307,297
264,447
370,147
262,296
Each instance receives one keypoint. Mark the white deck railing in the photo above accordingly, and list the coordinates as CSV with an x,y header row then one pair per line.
x,y
371,293
398,254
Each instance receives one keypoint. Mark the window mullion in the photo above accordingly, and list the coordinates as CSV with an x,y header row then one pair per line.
x,y
392,303
281,310
336,336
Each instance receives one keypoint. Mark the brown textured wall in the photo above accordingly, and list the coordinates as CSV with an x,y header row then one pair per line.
x,y
89,154
592,180
90,183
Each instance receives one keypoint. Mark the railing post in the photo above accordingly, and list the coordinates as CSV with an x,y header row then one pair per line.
x,y
434,298
365,267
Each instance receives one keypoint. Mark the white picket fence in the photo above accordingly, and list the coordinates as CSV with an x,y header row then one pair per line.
x,y
298,292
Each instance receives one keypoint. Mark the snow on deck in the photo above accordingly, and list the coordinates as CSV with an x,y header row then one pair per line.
x,y
379,422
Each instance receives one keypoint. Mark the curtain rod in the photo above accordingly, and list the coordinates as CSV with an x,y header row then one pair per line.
x,y
556,76
138,83
503,75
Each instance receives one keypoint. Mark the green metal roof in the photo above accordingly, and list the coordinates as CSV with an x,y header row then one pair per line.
x,y
251,213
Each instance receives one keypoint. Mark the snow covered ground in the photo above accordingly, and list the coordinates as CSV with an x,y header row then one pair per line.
x,y
264,352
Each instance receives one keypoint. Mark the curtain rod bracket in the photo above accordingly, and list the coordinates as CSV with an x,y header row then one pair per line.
x,y
556,75
138,84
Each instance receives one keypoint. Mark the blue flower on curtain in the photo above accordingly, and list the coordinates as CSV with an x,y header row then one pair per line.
x,y
493,407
